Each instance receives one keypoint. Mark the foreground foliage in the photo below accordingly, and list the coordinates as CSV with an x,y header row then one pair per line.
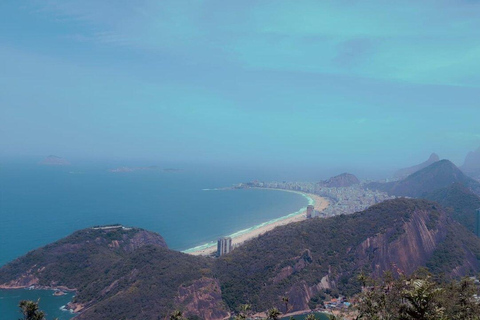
x,y
419,297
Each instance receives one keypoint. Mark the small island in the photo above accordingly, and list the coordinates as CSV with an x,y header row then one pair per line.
x,y
52,160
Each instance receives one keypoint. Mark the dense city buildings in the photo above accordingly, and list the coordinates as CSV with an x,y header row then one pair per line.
x,y
224,246
343,200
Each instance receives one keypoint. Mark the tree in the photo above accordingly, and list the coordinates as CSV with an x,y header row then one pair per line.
x,y
273,314
177,315
244,311
285,301
422,301
30,310
311,316
464,305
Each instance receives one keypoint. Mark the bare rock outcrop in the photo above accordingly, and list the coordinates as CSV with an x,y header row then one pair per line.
x,y
202,298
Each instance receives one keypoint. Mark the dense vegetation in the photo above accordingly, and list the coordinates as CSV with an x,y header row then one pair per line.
x,y
113,270
130,273
418,297
316,248
460,201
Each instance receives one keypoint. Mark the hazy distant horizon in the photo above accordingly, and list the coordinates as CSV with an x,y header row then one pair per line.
x,y
293,171
336,86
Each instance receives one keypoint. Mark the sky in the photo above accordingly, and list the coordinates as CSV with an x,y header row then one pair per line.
x,y
344,83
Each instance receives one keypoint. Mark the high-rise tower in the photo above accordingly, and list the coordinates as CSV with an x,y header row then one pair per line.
x,y
310,211
224,246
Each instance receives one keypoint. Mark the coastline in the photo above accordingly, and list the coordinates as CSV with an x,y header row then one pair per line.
x,y
239,237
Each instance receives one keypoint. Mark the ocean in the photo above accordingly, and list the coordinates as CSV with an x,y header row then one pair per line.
x,y
41,204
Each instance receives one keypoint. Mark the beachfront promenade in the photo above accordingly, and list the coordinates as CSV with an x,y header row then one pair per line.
x,y
240,237
345,200
327,202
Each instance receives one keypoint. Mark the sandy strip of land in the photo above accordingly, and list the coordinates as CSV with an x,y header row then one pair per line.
x,y
320,204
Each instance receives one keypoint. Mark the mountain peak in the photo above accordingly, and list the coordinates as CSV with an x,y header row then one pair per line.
x,y
340,181
405,172
439,174
471,166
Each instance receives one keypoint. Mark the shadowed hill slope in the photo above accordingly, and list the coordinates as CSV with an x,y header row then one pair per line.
x,y
405,172
461,202
439,175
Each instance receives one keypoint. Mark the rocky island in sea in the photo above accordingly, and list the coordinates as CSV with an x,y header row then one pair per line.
x,y
55,161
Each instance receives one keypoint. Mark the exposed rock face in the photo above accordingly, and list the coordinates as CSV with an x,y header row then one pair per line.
x,y
54,161
340,181
403,173
203,298
404,249
471,166
303,261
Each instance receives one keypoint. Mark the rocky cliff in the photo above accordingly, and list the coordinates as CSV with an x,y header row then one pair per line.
x,y
313,259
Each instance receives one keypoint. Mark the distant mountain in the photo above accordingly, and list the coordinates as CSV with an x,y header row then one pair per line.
x,y
436,176
461,201
54,161
471,166
342,180
403,173
122,273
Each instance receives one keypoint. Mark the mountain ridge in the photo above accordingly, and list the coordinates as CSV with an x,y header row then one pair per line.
x,y
307,261
436,176
405,172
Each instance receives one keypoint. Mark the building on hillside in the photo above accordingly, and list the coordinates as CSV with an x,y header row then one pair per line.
x,y
477,223
224,246
310,211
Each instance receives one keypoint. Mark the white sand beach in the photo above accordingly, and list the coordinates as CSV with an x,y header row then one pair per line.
x,y
320,204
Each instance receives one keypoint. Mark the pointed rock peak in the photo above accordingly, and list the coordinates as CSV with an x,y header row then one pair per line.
x,y
434,157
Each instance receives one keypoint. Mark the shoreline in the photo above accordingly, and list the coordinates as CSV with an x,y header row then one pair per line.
x,y
239,237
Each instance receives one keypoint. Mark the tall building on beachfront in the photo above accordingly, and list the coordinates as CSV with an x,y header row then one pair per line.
x,y
477,223
310,211
224,246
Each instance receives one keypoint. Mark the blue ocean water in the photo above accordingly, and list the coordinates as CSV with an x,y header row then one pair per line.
x,y
41,204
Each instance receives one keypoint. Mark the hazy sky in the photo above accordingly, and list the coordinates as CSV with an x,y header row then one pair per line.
x,y
293,82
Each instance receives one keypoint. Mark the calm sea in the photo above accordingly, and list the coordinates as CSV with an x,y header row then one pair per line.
x,y
40,204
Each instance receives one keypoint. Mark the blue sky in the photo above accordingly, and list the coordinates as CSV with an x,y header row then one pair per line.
x,y
315,83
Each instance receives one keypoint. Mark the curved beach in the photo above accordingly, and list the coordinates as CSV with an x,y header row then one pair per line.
x,y
241,236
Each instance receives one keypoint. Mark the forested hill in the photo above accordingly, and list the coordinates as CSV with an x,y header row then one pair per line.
x,y
461,202
118,273
130,273
438,175
307,260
